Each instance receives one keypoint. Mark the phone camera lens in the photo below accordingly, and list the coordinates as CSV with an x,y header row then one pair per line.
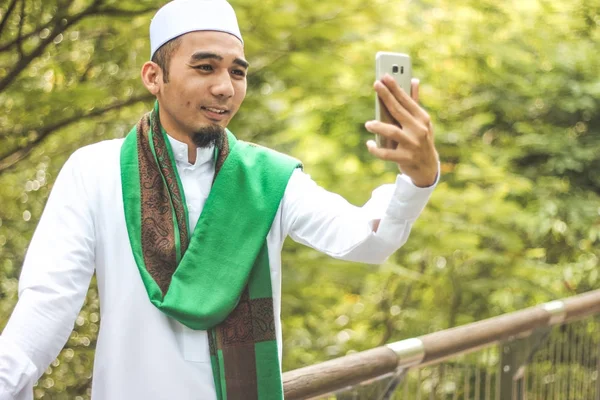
x,y
395,69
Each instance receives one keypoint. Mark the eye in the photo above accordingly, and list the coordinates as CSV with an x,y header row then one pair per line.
x,y
203,67
239,72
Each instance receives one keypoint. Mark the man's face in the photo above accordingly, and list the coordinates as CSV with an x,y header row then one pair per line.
x,y
206,83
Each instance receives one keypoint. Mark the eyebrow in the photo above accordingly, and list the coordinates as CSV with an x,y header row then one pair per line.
x,y
204,55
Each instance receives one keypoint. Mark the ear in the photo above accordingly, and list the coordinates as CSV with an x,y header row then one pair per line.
x,y
152,77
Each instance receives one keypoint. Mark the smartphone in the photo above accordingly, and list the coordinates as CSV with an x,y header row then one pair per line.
x,y
398,66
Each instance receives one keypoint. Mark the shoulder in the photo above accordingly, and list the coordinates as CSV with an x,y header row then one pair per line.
x,y
264,154
103,153
88,169
96,159
101,150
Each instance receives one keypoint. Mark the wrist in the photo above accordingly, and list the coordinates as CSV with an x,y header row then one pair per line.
x,y
424,183
424,180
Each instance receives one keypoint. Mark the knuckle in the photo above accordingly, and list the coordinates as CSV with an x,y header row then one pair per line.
x,y
426,119
381,130
414,144
396,109
422,133
387,155
396,130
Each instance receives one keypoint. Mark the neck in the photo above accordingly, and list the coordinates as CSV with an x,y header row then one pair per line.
x,y
177,134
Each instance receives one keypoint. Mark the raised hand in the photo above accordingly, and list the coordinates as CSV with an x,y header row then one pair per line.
x,y
415,153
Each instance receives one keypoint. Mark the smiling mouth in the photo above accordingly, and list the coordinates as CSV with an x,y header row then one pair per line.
x,y
215,110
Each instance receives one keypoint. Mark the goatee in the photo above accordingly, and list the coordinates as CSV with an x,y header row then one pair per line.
x,y
208,136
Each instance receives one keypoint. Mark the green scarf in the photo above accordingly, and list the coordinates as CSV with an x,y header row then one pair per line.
x,y
218,277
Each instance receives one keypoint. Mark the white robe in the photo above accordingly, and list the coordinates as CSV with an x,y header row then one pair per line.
x,y
141,353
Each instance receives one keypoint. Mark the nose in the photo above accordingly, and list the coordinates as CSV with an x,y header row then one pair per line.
x,y
222,86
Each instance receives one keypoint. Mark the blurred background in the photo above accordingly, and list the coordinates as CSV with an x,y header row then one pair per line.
x,y
513,88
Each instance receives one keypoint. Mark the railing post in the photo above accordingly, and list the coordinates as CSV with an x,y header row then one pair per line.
x,y
517,354
516,357
510,363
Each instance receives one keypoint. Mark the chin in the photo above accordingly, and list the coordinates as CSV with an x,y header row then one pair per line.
x,y
208,122
209,126
223,123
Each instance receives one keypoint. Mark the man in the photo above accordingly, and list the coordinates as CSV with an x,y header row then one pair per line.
x,y
183,225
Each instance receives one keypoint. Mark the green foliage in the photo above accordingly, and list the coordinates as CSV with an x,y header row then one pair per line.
x,y
514,93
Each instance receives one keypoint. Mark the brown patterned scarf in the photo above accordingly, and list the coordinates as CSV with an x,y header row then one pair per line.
x,y
218,277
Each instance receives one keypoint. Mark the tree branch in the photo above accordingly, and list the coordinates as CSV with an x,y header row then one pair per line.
x,y
403,305
9,11
9,160
6,46
456,299
83,78
60,27
20,30
27,59
21,38
37,30
117,12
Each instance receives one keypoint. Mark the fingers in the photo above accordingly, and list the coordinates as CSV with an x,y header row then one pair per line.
x,y
410,128
405,101
396,110
414,89
396,155
392,132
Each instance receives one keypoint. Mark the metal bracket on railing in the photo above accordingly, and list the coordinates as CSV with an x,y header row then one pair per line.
x,y
393,384
557,311
409,352
516,356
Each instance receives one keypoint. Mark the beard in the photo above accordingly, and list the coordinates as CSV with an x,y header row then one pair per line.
x,y
208,136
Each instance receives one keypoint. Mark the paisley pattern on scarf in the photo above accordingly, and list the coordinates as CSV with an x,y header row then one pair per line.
x,y
172,188
160,190
158,235
251,321
216,278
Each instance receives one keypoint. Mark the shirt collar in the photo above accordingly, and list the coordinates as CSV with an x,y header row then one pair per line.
x,y
180,152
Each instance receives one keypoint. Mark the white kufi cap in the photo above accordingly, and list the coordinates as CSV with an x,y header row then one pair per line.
x,y
182,16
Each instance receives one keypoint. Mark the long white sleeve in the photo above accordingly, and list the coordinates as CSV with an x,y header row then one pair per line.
x,y
83,227
55,277
328,223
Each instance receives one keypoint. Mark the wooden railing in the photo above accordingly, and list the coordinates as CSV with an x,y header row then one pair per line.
x,y
333,375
